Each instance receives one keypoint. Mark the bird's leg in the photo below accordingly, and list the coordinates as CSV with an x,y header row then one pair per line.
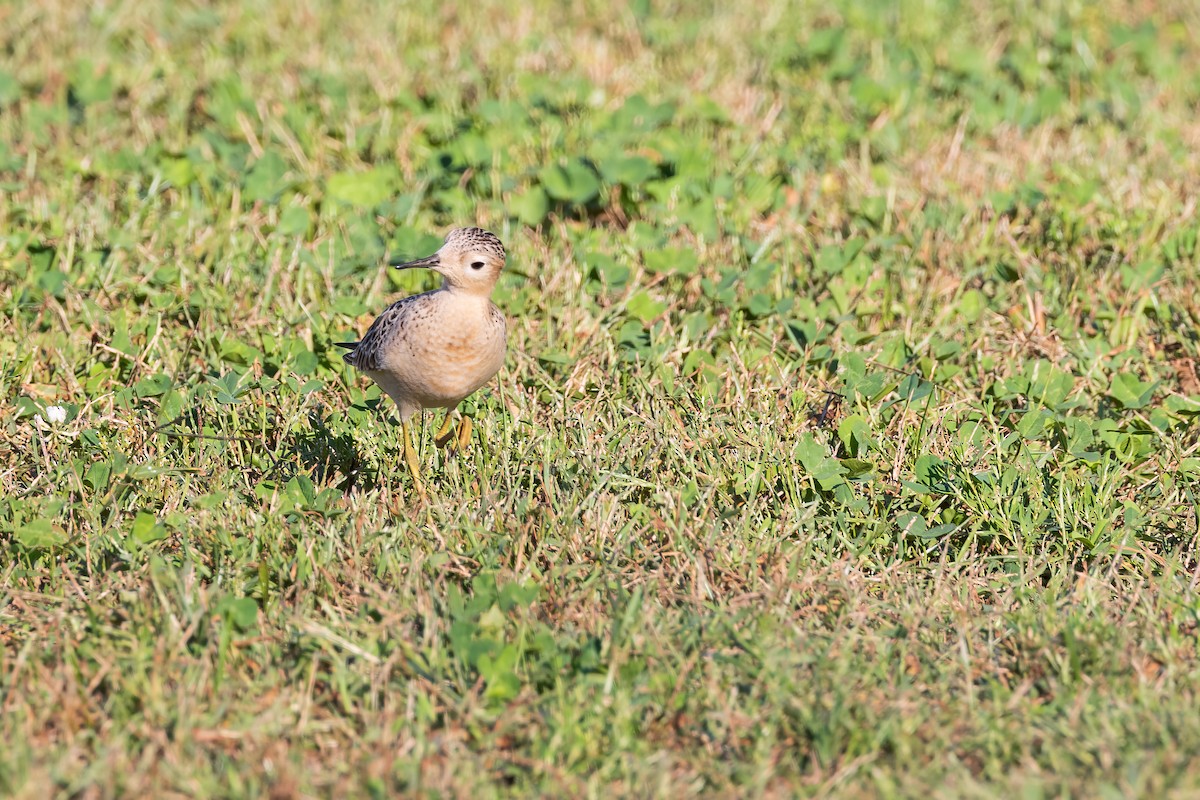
x,y
443,435
464,434
410,456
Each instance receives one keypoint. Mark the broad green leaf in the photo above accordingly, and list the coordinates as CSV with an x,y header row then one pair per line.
x,y
856,467
243,613
914,524
573,183
644,307
499,672
153,386
971,305
1130,392
266,179
1048,385
855,435
628,170
531,206
90,84
294,221
614,274
817,463
40,534
178,171
305,363
97,476
364,189
1187,406
146,528
671,261
934,473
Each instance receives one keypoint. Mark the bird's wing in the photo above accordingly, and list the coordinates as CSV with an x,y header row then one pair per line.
x,y
368,354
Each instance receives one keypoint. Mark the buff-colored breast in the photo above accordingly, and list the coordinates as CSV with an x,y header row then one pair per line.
x,y
446,347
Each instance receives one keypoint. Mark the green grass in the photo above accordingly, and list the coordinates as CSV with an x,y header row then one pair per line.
x,y
846,444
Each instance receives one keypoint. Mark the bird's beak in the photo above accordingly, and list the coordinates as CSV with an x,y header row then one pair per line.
x,y
429,262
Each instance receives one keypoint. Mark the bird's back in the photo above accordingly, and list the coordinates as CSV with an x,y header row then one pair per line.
x,y
385,332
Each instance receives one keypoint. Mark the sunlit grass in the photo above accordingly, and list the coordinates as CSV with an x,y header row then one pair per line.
x,y
845,446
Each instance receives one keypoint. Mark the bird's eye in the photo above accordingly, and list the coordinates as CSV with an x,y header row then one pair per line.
x,y
477,265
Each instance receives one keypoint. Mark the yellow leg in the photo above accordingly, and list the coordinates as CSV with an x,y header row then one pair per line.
x,y
410,456
443,435
464,434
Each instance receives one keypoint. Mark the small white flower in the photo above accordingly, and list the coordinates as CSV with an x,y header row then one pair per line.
x,y
55,414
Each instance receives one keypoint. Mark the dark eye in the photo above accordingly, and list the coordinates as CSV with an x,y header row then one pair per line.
x,y
476,265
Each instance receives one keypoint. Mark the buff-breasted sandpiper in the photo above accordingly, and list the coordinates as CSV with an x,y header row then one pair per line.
x,y
431,350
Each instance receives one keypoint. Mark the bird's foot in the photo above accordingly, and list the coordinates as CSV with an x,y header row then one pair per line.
x,y
414,466
464,435
443,436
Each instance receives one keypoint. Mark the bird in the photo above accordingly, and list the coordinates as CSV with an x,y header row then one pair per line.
x,y
434,349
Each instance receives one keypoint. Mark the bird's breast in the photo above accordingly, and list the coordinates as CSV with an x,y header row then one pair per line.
x,y
448,350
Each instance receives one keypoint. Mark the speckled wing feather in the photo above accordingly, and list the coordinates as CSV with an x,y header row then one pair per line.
x,y
368,354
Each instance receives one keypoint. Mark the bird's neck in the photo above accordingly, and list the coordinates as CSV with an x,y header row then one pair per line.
x,y
463,294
